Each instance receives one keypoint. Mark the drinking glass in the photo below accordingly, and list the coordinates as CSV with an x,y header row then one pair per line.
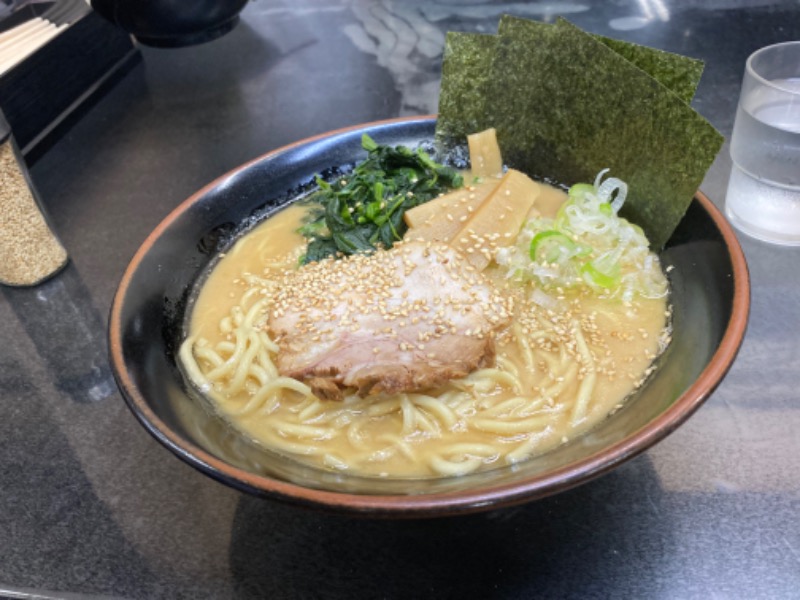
x,y
763,197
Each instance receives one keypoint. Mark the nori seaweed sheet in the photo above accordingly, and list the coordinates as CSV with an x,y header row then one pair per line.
x,y
466,69
566,105
679,73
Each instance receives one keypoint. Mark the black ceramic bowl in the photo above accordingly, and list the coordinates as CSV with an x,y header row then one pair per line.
x,y
172,23
710,308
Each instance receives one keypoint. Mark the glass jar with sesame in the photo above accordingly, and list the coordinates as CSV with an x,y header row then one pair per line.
x,y
30,252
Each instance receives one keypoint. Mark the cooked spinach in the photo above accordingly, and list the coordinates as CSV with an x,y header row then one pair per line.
x,y
363,210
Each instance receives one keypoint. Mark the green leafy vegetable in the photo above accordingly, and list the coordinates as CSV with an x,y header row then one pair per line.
x,y
363,210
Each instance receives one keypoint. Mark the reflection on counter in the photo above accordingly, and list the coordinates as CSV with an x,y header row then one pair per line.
x,y
68,333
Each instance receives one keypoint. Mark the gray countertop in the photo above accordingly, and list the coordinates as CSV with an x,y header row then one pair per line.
x,y
91,505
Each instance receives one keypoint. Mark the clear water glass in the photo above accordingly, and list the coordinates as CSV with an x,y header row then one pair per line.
x,y
763,199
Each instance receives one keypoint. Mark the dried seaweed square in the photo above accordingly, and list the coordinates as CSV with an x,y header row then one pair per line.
x,y
565,106
466,71
680,74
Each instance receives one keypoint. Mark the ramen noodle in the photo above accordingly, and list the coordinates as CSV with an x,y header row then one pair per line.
x,y
565,361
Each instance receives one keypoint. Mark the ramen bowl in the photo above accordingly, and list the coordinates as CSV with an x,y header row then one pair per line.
x,y
710,304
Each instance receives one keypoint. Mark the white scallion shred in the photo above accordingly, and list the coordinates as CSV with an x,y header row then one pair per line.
x,y
587,244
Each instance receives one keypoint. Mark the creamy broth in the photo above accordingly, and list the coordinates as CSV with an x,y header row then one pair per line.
x,y
557,374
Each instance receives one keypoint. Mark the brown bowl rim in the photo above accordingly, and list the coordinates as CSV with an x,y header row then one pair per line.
x,y
462,501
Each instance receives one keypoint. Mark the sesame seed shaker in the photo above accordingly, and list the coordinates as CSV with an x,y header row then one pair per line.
x,y
30,252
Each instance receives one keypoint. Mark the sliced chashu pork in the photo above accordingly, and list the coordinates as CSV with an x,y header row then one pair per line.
x,y
400,320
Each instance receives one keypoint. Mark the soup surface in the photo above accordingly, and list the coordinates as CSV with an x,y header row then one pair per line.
x,y
558,371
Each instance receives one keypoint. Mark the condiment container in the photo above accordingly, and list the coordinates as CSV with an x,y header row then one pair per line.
x,y
30,252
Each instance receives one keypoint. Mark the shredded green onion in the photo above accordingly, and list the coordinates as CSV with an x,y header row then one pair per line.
x,y
554,247
587,245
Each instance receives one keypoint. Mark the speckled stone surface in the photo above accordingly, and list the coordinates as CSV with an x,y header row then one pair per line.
x,y
90,505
